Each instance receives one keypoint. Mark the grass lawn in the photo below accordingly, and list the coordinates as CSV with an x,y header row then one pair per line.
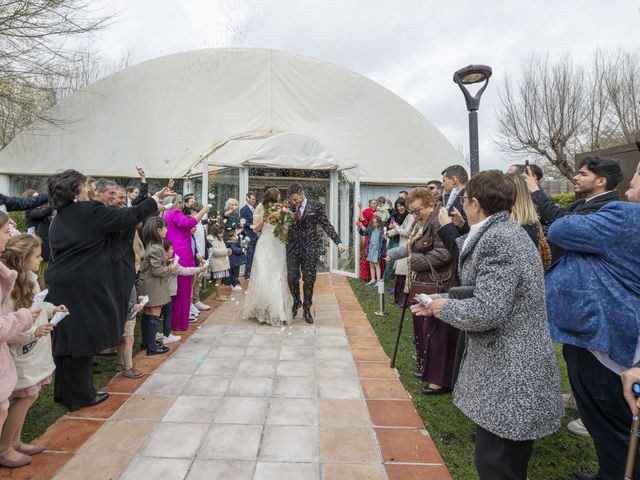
x,y
554,457
45,411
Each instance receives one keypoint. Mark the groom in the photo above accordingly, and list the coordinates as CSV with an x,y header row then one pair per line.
x,y
303,248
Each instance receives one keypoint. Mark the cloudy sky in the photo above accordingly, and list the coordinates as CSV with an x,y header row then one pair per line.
x,y
412,47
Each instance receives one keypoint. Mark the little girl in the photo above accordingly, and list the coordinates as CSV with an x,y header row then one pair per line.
x,y
375,247
11,324
218,258
154,282
167,337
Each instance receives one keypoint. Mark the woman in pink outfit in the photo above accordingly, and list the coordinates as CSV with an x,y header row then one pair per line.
x,y
179,228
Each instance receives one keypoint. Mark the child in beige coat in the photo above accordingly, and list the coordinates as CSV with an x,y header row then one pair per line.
x,y
218,259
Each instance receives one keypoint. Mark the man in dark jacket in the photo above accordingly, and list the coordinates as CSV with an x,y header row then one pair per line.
x,y
596,179
16,204
246,214
303,248
454,179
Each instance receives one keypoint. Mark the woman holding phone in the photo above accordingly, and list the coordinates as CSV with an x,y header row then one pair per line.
x,y
508,383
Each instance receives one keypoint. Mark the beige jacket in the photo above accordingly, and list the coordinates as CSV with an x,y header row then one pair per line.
x,y
403,231
32,356
218,255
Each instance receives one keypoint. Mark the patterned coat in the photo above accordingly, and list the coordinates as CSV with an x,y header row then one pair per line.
x,y
508,381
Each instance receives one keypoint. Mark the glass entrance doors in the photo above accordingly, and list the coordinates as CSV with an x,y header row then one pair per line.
x,y
316,185
345,192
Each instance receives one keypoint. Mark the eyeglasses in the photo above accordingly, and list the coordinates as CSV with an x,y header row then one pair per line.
x,y
416,211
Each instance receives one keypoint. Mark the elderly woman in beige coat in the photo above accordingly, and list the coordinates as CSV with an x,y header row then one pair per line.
x,y
402,230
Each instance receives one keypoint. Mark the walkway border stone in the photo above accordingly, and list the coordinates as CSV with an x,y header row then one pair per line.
x,y
407,450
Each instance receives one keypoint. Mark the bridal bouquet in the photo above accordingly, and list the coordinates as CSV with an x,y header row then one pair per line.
x,y
280,216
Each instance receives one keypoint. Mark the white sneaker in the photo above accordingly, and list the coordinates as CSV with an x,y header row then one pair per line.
x,y
171,339
577,428
237,288
569,401
193,318
201,306
194,311
159,337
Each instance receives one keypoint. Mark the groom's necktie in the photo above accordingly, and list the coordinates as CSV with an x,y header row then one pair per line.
x,y
298,213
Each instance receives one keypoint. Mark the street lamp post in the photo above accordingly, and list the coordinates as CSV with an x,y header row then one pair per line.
x,y
467,76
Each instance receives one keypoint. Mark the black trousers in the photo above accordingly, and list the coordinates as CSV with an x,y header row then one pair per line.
x,y
307,264
73,380
498,458
232,279
603,409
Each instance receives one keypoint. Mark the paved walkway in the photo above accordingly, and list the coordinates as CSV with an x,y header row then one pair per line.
x,y
238,400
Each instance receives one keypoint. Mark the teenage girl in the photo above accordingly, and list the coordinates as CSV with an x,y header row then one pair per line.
x,y
11,324
31,350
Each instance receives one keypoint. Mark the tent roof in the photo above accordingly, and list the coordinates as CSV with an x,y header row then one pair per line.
x,y
282,150
234,106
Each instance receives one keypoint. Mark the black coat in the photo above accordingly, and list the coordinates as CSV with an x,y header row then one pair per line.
x,y
303,234
86,273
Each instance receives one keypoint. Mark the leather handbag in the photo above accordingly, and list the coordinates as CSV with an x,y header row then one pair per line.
x,y
435,284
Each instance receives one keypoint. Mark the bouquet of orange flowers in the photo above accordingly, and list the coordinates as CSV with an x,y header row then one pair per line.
x,y
281,217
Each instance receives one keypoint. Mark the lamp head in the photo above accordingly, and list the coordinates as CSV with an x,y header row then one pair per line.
x,y
469,75
472,74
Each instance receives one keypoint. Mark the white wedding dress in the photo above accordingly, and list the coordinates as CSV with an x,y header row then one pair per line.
x,y
268,298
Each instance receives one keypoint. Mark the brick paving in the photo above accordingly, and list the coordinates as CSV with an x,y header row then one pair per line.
x,y
236,400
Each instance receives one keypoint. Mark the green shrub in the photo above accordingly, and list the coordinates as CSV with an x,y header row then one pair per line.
x,y
563,199
18,217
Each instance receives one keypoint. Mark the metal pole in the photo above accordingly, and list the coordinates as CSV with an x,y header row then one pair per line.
x,y
381,311
474,155
404,311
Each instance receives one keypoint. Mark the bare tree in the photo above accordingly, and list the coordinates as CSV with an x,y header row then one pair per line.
x,y
559,109
544,113
37,55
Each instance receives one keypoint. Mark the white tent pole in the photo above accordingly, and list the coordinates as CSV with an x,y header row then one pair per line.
x,y
333,215
205,181
243,183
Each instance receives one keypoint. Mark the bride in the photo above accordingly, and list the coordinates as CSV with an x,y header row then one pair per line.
x,y
268,298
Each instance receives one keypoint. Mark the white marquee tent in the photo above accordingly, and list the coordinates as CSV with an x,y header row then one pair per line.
x,y
218,109
170,113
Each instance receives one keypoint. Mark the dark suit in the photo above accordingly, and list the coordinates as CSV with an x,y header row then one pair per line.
x,y
303,250
458,203
247,214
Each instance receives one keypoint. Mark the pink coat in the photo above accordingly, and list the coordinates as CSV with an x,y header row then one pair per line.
x,y
179,234
11,324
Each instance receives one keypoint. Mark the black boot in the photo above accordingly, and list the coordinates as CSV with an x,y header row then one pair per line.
x,y
152,327
295,308
307,315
